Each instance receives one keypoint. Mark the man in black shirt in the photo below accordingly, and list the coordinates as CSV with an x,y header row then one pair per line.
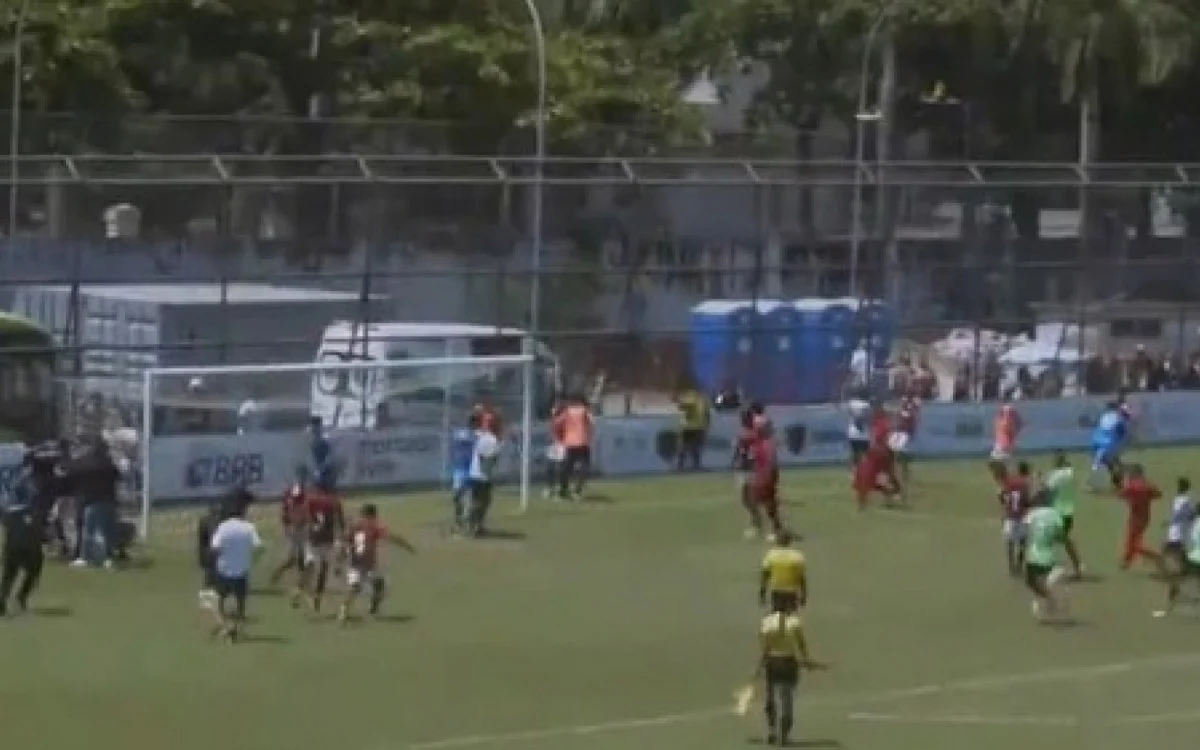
x,y
95,478
24,521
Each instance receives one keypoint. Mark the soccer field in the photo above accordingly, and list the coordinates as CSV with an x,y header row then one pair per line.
x,y
626,622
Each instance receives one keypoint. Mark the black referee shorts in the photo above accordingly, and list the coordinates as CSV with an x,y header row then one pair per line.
x,y
781,672
236,589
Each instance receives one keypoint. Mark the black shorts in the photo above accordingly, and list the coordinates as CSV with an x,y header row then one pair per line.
x,y
858,449
236,589
1067,526
785,601
578,457
1035,575
1175,553
691,441
781,671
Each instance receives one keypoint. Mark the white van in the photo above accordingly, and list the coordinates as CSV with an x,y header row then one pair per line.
x,y
425,395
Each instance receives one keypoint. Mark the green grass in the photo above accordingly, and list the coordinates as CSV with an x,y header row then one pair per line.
x,y
626,624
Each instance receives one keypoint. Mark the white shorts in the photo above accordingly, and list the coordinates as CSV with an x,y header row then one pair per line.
x,y
1000,454
359,576
899,442
315,553
556,452
1014,531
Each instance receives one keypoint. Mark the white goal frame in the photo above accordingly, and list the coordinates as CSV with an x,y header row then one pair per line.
x,y
151,376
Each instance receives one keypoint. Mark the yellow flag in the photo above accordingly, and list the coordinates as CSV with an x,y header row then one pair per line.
x,y
742,698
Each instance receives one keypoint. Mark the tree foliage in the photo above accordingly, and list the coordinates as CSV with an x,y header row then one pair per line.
x,y
615,68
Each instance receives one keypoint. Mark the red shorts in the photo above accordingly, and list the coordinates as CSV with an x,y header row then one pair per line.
x,y
765,492
866,476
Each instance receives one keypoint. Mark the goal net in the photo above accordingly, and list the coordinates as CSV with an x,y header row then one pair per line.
x,y
389,424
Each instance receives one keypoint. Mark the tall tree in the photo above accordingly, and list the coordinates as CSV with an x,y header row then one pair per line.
x,y
1104,50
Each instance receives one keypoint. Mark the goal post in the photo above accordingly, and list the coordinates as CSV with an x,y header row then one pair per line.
x,y
206,429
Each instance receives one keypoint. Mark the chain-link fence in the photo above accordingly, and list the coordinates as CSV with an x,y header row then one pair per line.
x,y
1037,279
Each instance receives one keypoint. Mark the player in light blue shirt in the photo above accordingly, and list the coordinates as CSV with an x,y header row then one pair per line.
x,y
462,449
1108,440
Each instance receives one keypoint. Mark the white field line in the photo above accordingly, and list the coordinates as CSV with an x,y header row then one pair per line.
x,y
1172,717
971,720
1023,720
984,683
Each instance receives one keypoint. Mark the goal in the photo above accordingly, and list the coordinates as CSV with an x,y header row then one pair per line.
x,y
207,429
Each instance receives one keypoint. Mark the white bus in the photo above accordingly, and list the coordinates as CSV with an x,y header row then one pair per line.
x,y
427,395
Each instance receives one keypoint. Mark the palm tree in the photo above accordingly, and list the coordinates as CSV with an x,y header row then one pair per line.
x,y
1102,47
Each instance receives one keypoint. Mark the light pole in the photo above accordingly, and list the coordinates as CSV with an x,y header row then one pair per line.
x,y
14,112
861,117
535,261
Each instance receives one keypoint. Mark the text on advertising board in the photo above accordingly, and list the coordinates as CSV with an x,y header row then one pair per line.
x,y
225,470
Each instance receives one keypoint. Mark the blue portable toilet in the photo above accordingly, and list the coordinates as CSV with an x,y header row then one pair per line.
x,y
877,328
836,342
711,343
779,352
809,347
744,364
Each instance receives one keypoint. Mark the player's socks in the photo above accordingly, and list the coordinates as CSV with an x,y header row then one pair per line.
x,y
378,590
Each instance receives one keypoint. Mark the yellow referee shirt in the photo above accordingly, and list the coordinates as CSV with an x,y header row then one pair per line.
x,y
784,569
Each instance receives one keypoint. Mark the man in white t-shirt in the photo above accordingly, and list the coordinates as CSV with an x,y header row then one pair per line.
x,y
480,475
235,545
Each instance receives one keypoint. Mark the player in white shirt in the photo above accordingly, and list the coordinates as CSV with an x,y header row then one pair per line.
x,y
235,545
1183,515
858,430
1181,530
480,475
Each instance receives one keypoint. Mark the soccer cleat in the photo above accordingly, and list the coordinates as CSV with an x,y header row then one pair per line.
x,y
1160,613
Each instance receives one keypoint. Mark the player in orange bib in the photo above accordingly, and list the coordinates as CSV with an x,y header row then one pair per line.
x,y
1006,430
362,551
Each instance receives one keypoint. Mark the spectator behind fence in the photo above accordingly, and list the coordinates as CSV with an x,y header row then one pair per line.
x,y
95,477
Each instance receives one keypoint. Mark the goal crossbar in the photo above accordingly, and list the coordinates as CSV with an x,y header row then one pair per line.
x,y
151,375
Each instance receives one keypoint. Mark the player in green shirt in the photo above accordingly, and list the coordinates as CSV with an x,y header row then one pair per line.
x,y
1043,534
1190,559
1060,483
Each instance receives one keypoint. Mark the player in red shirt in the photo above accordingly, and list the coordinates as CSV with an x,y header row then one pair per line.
x,y
743,468
907,417
879,461
362,552
325,521
764,475
293,521
1139,494
1015,499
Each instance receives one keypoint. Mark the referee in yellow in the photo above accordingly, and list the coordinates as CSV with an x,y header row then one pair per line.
x,y
783,652
783,582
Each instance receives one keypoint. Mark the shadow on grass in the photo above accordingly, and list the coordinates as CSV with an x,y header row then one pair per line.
x,y
393,619
262,638
503,535
819,742
53,610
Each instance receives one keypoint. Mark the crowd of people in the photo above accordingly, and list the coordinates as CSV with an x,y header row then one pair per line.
x,y
65,499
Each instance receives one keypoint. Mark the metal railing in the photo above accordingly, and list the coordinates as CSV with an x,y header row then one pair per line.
x,y
348,169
